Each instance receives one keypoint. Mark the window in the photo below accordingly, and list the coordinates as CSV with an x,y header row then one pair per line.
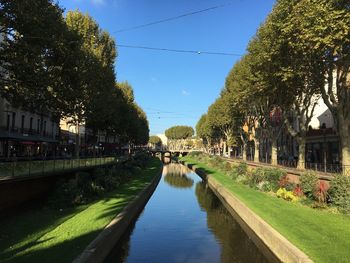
x,y
38,126
31,124
8,121
13,120
44,129
22,122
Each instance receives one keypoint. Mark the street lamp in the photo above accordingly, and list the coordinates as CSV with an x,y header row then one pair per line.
x,y
324,129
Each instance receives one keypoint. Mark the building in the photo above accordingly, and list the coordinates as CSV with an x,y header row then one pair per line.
x,y
26,134
90,144
322,144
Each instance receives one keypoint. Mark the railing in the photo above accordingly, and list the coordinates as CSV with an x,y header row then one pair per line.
x,y
319,167
30,168
288,163
327,168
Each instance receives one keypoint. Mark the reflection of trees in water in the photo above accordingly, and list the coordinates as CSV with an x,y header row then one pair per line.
x,y
175,168
236,245
120,252
178,180
175,175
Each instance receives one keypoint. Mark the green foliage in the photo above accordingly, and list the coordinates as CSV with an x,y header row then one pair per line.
x,y
155,140
286,195
86,187
266,179
257,178
179,132
66,66
308,183
339,192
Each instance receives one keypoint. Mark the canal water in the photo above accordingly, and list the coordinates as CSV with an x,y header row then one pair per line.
x,y
184,222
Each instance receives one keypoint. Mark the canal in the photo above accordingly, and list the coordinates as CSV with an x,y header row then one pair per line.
x,y
185,222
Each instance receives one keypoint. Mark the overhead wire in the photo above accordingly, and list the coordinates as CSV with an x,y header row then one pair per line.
x,y
198,52
170,18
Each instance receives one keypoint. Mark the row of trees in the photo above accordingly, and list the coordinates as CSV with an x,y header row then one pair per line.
x,y
300,54
65,66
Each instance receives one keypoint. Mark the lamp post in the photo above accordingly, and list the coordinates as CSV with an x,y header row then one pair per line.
x,y
324,129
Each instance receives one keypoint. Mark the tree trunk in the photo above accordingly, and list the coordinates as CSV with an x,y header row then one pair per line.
x,y
77,142
244,151
344,136
301,156
274,152
256,150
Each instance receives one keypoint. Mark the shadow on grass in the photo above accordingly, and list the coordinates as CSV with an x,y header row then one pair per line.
x,y
63,252
199,170
16,229
9,254
20,235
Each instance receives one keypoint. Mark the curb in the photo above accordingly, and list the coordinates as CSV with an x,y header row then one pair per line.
x,y
101,246
283,249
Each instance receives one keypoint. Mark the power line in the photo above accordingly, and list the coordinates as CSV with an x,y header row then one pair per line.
x,y
171,18
182,50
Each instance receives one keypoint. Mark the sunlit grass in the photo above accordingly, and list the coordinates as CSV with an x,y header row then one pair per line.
x,y
59,236
323,236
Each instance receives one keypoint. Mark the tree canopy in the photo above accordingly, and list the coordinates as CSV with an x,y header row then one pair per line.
x,y
66,66
179,132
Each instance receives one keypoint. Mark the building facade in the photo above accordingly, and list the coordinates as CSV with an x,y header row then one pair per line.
x,y
26,134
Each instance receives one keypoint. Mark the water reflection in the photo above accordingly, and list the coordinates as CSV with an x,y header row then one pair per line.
x,y
175,226
175,175
236,245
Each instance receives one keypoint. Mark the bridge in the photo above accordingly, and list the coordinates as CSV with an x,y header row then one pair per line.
x,y
170,153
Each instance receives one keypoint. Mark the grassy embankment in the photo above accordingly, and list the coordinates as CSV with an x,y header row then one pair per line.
x,y
48,235
323,236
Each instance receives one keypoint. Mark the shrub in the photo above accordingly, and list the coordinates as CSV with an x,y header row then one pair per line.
x,y
215,161
283,181
257,178
242,179
339,192
242,169
273,176
286,195
108,182
226,167
308,183
239,171
320,192
297,191
64,194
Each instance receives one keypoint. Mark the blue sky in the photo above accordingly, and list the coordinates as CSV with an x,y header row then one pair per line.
x,y
176,88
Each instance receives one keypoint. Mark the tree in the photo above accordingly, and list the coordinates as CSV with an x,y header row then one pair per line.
x,y
96,80
127,90
179,132
321,30
240,87
223,116
155,141
205,131
32,54
177,135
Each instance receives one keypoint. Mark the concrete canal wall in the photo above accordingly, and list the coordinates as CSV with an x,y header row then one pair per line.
x,y
282,249
17,191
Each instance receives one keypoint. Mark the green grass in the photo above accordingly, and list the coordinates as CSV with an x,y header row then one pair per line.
x,y
323,236
48,235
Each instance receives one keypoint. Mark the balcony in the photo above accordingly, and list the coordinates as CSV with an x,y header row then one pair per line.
x,y
25,134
